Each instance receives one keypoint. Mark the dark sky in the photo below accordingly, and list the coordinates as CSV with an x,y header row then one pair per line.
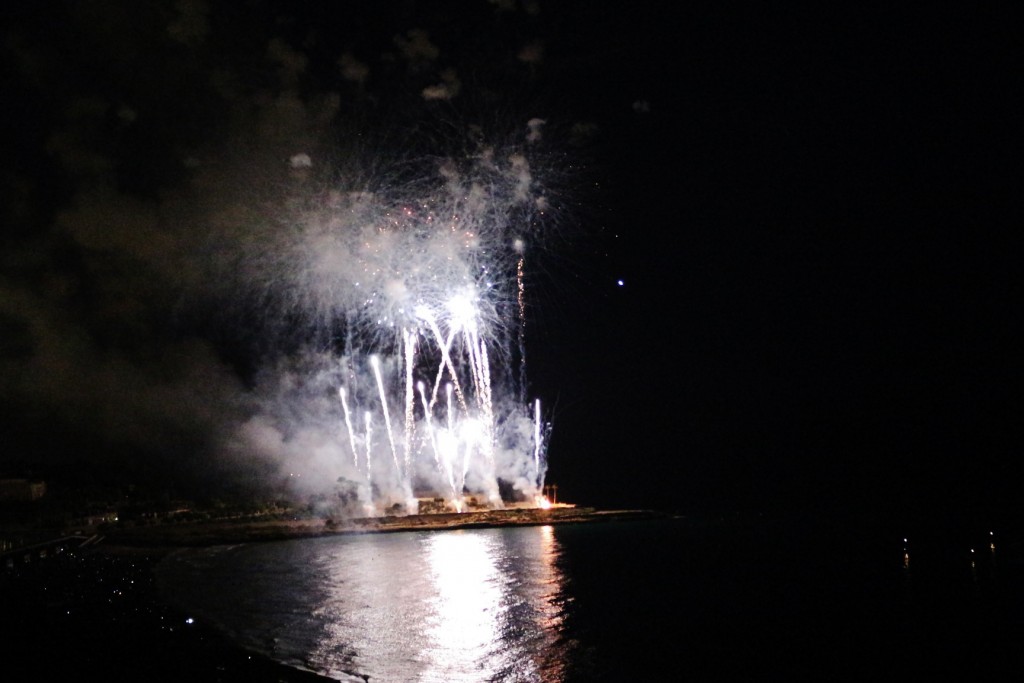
x,y
822,264
811,212
834,269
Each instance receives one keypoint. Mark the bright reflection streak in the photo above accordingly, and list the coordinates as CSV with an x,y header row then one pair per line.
x,y
447,606
552,579
462,624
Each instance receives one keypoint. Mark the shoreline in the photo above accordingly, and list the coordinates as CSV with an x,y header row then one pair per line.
x,y
193,534
97,613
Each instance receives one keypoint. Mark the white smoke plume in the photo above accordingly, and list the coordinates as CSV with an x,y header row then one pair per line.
x,y
207,294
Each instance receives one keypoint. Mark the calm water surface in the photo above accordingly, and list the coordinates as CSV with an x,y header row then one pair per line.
x,y
641,600
445,606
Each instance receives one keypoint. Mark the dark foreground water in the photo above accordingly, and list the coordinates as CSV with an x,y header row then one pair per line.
x,y
669,599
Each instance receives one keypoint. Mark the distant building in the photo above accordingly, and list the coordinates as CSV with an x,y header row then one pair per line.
x,y
93,519
21,489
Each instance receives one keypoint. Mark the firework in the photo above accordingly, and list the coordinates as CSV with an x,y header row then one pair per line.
x,y
417,288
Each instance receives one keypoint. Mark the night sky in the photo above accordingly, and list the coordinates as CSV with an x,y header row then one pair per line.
x,y
811,213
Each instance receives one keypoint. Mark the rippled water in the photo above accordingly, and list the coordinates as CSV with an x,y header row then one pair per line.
x,y
444,606
641,600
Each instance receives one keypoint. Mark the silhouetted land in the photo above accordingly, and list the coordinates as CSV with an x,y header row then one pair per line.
x,y
243,531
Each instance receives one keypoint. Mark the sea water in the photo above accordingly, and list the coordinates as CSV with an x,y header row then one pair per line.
x,y
662,599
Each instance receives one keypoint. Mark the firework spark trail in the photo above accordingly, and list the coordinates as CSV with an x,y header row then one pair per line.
x,y
448,398
410,353
428,420
485,381
486,404
536,442
369,446
446,359
519,247
442,457
375,363
481,372
472,436
348,425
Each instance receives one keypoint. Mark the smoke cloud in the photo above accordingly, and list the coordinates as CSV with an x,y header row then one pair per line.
x,y
227,227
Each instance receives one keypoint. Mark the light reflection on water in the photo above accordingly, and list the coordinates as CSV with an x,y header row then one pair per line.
x,y
597,603
465,605
470,605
